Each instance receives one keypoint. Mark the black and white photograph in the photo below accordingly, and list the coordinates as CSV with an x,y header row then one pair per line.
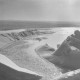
x,y
39,39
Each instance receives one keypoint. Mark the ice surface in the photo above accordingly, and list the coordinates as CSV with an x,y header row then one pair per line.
x,y
20,47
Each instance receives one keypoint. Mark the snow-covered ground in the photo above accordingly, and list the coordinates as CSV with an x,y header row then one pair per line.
x,y
59,35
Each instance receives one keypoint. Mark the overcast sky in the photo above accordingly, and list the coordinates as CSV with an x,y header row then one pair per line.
x,y
51,10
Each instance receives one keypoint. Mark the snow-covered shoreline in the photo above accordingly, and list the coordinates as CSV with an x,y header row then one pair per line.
x,y
36,43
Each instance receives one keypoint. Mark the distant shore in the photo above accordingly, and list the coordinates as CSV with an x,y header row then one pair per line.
x,y
11,25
